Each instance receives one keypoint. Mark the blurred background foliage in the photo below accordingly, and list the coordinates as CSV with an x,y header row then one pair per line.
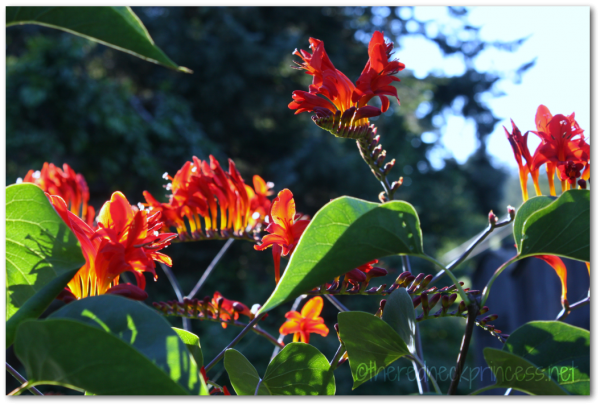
x,y
123,122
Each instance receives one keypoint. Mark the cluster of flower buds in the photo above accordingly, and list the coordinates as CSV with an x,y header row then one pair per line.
x,y
355,281
216,308
346,124
216,204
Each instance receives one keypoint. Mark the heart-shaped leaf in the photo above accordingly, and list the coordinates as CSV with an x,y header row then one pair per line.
x,y
108,345
344,234
371,344
117,27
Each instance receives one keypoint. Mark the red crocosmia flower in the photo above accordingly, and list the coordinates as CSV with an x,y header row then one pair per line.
x,y
285,228
332,93
562,140
561,271
302,324
376,77
211,200
68,185
518,142
126,239
569,171
229,310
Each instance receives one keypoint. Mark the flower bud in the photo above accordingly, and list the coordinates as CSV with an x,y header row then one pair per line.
x,y
356,275
511,212
483,310
416,301
425,303
383,197
582,184
380,159
129,291
492,219
434,300
417,280
388,166
396,185
401,280
382,304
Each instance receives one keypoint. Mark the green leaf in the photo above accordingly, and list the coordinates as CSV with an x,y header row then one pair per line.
x,y
192,342
371,344
561,229
39,248
299,369
242,374
529,207
344,234
107,345
36,305
561,350
399,313
512,371
117,27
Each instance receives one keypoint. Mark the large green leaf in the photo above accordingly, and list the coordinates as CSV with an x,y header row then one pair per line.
x,y
192,342
399,313
529,207
552,346
117,27
512,371
561,229
299,369
371,343
107,345
344,234
242,374
39,247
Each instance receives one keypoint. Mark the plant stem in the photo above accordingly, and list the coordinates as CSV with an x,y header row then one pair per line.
x,y
422,383
473,310
563,314
336,358
470,249
177,289
433,381
21,379
258,386
337,303
234,342
210,268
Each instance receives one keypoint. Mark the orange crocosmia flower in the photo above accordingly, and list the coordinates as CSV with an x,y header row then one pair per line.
x,y
518,142
285,228
562,141
230,310
211,200
68,185
308,321
331,92
126,239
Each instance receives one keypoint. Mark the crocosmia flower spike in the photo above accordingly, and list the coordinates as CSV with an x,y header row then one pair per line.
x,y
210,203
340,105
285,228
308,321
68,185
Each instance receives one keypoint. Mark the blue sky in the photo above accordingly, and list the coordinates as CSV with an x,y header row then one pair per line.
x,y
559,37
